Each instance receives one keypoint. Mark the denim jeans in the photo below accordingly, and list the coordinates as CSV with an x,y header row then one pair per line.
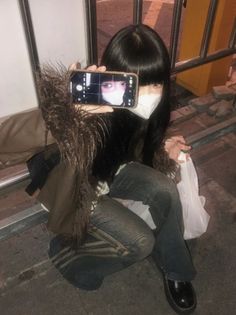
x,y
118,238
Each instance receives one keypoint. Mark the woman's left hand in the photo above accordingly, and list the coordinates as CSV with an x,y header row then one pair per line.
x,y
174,146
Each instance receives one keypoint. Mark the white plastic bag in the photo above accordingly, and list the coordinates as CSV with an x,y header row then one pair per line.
x,y
194,215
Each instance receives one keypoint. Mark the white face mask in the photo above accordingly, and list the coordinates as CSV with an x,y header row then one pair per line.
x,y
147,103
114,97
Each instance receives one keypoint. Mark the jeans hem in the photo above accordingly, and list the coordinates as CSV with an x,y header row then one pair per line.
x,y
178,277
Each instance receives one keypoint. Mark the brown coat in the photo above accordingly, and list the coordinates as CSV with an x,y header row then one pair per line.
x,y
22,136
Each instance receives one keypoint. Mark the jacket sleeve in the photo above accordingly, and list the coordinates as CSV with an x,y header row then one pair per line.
x,y
21,136
58,195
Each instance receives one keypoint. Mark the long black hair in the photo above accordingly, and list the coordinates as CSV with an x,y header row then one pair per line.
x,y
139,49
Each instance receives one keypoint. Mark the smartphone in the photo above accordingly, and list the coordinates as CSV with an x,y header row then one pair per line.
x,y
117,89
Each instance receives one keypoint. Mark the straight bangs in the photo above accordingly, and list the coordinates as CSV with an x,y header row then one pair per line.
x,y
139,50
105,77
150,68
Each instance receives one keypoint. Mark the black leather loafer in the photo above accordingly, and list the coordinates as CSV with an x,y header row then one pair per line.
x,y
180,295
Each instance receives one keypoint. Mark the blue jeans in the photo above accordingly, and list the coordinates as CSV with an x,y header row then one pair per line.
x,y
118,238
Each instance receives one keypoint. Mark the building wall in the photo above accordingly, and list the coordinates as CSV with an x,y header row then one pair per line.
x,y
60,32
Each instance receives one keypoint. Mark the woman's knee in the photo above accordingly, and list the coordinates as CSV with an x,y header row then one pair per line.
x,y
124,227
142,246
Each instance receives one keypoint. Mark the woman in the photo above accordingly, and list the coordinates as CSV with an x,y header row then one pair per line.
x,y
109,154
112,91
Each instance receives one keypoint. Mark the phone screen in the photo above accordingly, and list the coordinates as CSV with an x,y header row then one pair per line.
x,y
117,89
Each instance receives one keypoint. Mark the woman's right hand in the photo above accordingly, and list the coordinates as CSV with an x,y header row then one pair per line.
x,y
92,109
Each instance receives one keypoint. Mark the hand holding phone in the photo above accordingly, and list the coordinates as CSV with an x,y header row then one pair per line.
x,y
100,88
